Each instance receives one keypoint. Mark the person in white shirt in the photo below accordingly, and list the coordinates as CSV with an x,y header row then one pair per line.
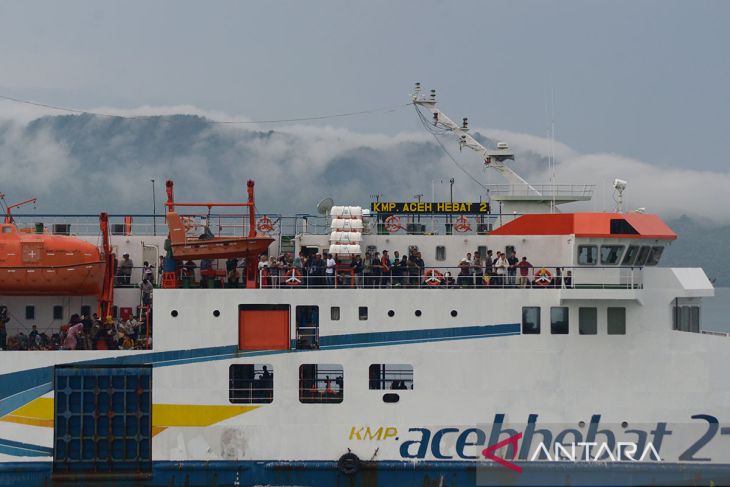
x,y
330,272
500,266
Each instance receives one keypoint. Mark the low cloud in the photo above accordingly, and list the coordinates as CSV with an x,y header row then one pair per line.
x,y
85,163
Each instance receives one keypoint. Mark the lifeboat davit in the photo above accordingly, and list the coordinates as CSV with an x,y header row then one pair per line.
x,y
208,246
33,264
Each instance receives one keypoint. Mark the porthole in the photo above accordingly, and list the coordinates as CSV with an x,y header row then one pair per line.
x,y
582,424
391,313
418,312
454,313
173,313
624,424
391,397
216,313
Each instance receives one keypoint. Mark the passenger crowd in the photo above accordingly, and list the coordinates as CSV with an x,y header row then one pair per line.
x,y
378,269
80,333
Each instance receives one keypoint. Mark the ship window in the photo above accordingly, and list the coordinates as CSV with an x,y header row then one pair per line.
x,y
655,255
30,312
391,376
251,383
530,320
587,254
320,383
686,318
630,255
559,320
482,249
335,313
643,255
307,318
440,252
587,321
622,227
362,313
58,312
611,254
616,318
86,310
7,229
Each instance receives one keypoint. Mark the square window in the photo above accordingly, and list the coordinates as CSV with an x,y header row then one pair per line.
x,y
362,313
251,383
335,313
58,312
559,320
616,318
587,321
30,312
86,310
531,320
440,253
390,376
321,383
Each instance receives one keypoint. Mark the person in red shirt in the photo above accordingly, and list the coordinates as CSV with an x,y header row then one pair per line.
x,y
385,268
524,268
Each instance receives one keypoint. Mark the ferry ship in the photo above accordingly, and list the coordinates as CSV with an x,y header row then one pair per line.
x,y
587,365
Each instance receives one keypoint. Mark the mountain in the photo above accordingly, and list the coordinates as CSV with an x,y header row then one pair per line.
x,y
91,163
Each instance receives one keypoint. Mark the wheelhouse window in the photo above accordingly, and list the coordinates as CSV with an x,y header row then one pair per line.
x,y
643,255
630,256
611,254
616,320
587,254
321,383
250,383
530,320
391,376
655,255
587,321
559,320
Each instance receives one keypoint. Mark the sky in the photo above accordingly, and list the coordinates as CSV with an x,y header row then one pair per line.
x,y
645,81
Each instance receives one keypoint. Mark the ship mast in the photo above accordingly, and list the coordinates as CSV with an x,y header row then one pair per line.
x,y
492,158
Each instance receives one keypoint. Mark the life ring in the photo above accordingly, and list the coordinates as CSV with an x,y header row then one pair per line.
x,y
349,464
392,223
264,224
462,224
543,277
432,277
293,277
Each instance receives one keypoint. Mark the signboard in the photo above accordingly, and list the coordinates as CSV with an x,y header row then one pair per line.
x,y
436,208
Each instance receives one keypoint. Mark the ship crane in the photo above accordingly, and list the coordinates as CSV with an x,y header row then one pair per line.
x,y
8,216
492,158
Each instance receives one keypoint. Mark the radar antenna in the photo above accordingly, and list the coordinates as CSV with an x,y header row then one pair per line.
x,y
492,158
324,206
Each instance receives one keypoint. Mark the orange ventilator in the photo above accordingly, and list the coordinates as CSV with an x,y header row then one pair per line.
x,y
543,277
432,277
293,277
392,223
462,224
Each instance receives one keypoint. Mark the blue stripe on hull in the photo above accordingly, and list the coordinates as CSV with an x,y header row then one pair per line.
x,y
19,388
391,473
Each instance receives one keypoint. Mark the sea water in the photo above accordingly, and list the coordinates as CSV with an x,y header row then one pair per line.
x,y
715,314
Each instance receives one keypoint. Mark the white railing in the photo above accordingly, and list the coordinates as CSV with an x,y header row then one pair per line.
x,y
546,189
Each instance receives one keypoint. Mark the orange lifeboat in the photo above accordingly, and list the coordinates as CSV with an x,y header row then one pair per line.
x,y
42,264
209,246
